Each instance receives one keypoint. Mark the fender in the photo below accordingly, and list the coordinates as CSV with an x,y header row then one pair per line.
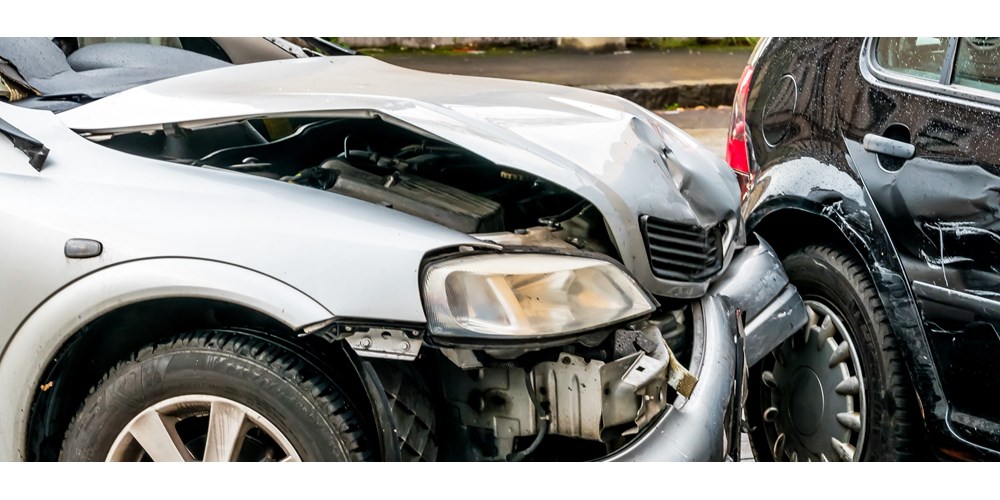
x,y
859,223
64,313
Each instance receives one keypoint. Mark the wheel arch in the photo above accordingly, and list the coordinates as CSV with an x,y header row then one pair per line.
x,y
857,229
71,336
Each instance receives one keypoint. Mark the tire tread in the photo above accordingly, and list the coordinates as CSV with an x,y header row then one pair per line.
x,y
323,394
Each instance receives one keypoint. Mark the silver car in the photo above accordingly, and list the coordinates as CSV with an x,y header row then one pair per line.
x,y
332,258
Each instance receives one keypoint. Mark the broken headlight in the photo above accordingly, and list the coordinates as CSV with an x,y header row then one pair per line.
x,y
525,296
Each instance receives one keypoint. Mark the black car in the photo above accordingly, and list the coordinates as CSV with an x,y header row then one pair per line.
x,y
873,167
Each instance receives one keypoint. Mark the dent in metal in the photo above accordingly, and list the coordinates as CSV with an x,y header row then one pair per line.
x,y
826,152
583,141
695,428
771,305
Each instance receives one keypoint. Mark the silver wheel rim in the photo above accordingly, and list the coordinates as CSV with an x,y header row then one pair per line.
x,y
812,393
201,427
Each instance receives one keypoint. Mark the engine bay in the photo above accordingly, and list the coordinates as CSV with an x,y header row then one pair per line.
x,y
391,165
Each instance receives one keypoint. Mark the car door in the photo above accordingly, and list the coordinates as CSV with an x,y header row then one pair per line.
x,y
922,129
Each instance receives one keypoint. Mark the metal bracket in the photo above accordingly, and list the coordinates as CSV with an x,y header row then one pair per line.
x,y
462,358
386,343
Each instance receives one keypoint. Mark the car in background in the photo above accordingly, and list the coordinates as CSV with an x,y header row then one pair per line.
x,y
873,168
333,258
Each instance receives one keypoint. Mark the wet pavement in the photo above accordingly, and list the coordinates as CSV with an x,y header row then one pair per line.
x,y
708,126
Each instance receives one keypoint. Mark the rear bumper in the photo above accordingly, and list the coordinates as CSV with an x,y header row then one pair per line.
x,y
703,428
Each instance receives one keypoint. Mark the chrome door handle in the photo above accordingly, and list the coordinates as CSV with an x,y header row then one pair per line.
x,y
889,147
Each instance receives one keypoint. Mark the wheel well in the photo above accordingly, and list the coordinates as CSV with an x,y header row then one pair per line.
x,y
789,230
100,345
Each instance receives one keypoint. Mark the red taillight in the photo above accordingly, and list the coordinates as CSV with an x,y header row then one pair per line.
x,y
736,145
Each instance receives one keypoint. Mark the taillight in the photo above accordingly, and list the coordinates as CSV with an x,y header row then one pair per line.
x,y
738,141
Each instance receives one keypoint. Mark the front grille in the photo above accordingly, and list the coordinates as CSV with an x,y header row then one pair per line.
x,y
679,252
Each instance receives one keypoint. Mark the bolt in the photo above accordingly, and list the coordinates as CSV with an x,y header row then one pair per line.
x,y
404,346
365,343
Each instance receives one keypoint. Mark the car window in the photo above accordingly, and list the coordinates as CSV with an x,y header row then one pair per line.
x,y
922,57
977,63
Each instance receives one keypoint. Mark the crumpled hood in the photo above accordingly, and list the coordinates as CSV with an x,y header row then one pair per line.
x,y
625,160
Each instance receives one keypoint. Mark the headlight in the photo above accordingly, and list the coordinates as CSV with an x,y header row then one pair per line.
x,y
524,296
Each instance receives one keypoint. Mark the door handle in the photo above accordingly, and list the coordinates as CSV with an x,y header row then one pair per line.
x,y
889,147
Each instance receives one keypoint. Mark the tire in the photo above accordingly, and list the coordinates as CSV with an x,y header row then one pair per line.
x,y
873,418
411,409
285,408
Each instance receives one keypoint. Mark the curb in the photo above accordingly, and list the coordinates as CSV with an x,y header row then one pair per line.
x,y
684,93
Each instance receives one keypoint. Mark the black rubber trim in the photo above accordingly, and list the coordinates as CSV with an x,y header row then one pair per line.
x,y
36,151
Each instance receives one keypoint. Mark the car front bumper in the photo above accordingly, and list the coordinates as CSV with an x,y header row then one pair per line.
x,y
748,311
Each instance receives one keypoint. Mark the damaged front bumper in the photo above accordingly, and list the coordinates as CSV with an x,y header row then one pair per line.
x,y
608,390
747,312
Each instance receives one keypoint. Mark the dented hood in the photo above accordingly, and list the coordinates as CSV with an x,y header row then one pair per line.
x,y
625,160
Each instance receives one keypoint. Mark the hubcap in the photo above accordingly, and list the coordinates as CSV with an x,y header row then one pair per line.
x,y
201,428
812,393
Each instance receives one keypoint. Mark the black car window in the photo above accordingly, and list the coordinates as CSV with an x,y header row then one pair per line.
x,y
922,57
977,63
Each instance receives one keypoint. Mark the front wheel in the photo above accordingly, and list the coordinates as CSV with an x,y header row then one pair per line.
x,y
838,391
215,396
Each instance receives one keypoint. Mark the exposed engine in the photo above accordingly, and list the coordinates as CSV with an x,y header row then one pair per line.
x,y
576,398
390,165
597,395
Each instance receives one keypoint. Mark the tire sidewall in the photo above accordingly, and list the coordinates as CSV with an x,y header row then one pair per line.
x,y
138,385
824,280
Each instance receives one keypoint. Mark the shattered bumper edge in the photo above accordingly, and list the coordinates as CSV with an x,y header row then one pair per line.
x,y
695,429
785,314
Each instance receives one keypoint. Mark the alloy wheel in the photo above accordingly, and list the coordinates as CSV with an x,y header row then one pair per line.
x,y
201,428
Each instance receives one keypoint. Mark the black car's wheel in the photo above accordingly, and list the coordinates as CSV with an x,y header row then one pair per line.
x,y
215,396
839,390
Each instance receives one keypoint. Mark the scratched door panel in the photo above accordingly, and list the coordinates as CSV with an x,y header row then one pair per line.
x,y
941,208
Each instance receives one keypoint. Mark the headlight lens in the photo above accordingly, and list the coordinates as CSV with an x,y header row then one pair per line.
x,y
528,295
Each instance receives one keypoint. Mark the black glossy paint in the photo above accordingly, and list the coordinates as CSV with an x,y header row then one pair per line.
x,y
933,218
